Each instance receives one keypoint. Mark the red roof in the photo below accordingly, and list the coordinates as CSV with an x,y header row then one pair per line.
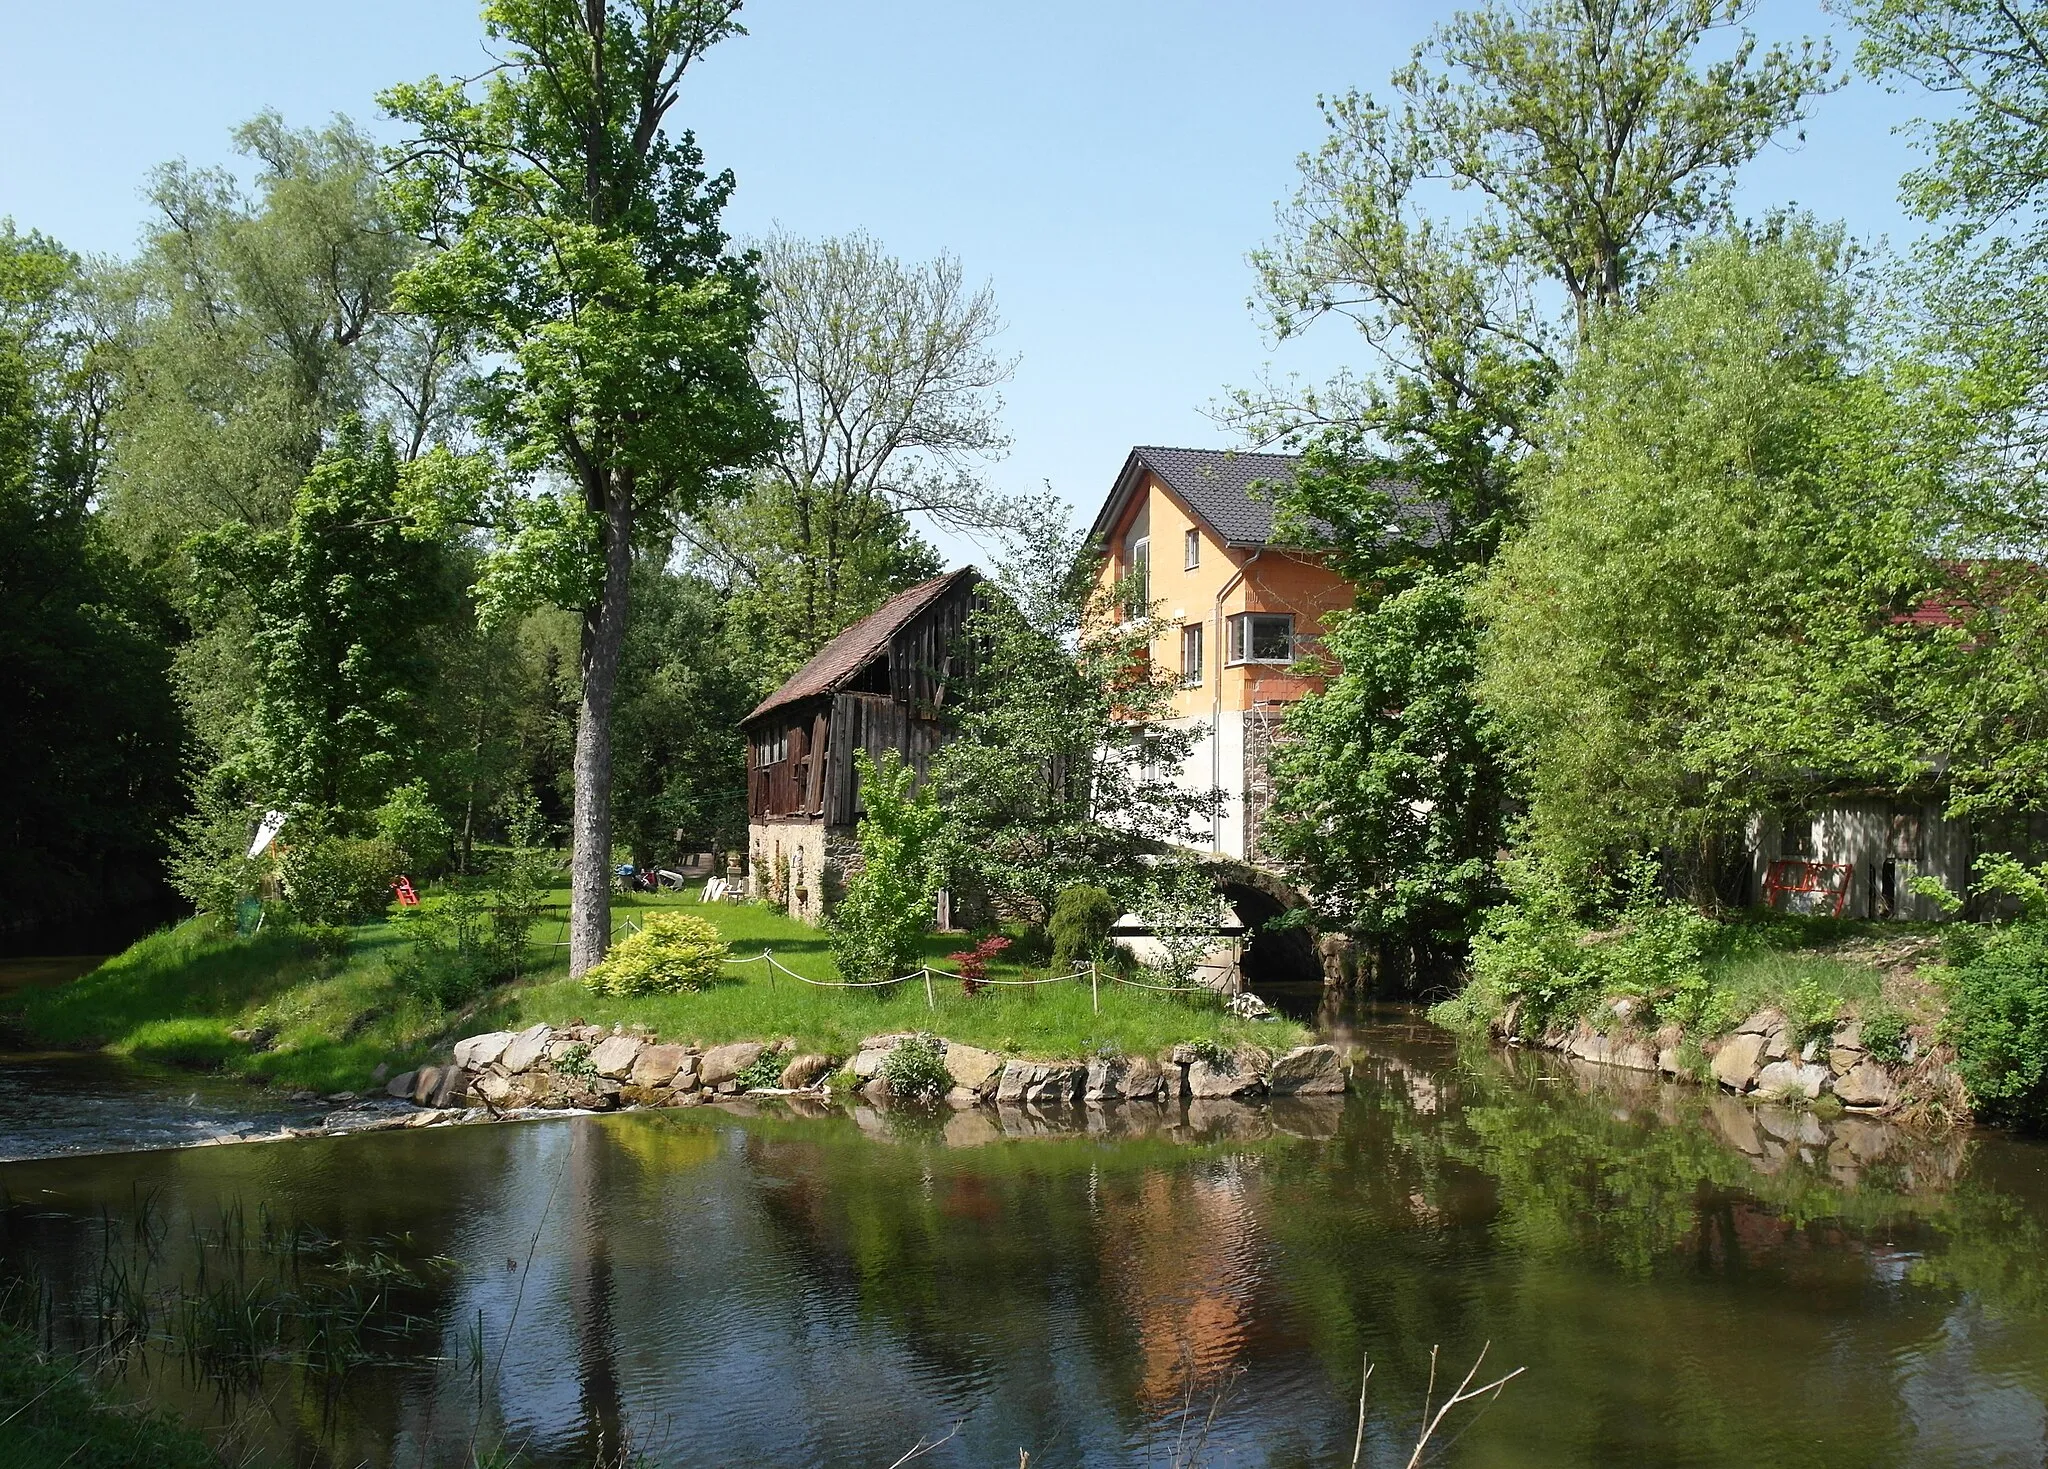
x,y
837,663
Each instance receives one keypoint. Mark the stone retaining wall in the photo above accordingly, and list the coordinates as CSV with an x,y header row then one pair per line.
x,y
1763,1060
589,1068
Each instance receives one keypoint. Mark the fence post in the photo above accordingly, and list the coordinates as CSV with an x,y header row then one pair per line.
x,y
930,1002
768,956
1095,986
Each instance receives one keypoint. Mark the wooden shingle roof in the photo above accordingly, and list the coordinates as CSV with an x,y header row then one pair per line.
x,y
840,661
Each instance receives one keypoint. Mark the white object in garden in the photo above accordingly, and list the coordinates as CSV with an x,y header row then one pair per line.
x,y
266,833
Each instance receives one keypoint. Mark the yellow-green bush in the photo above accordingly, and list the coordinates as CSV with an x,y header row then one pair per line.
x,y
672,953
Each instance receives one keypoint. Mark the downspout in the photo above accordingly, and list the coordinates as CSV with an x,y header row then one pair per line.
x,y
1216,705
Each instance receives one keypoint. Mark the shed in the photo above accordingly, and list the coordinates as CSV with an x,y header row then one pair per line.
x,y
883,684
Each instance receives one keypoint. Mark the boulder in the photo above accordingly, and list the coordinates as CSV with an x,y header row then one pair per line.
x,y
1143,1078
401,1085
480,1051
495,1090
1307,1071
1761,1023
721,1064
1792,1080
615,1055
439,1086
1207,1082
1056,1083
1866,1084
1183,1054
1105,1080
1736,1062
869,1060
1010,1086
257,1038
686,1078
656,1065
526,1048
972,1068
805,1070
601,1095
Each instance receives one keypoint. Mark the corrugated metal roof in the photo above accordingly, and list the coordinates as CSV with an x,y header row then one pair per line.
x,y
1217,486
836,664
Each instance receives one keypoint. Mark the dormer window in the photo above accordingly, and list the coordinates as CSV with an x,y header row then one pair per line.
x,y
1262,637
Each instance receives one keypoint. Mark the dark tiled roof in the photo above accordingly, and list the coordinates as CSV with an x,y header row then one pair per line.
x,y
1217,485
836,664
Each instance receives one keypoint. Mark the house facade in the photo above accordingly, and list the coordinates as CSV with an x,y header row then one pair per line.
x,y
881,685
1242,612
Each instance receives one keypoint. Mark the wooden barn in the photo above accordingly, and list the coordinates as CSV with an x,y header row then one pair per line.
x,y
880,685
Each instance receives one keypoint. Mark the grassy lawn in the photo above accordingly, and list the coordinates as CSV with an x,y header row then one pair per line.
x,y
177,994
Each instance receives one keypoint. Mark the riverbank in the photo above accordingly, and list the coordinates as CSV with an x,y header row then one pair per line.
x,y
276,1009
52,1414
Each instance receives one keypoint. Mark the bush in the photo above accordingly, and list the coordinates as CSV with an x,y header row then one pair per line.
x,y
331,879
1082,917
1884,1033
1998,1024
410,824
888,904
916,1069
673,953
209,865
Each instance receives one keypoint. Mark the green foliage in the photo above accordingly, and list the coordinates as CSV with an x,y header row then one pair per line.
x,y
887,907
1884,1032
916,1069
1814,1010
414,828
336,602
1064,768
673,953
209,863
466,939
1726,515
331,879
188,1042
1389,791
765,1070
1082,917
1998,1023
575,1064
1180,907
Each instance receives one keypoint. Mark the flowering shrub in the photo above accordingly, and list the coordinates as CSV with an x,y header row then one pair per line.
x,y
673,953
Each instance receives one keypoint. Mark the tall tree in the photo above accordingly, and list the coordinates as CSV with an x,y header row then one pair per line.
x,y
580,243
1729,520
886,372
91,744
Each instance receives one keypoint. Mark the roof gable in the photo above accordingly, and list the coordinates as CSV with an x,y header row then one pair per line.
x,y
840,661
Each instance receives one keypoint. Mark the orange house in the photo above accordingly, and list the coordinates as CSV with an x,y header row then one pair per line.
x,y
1242,611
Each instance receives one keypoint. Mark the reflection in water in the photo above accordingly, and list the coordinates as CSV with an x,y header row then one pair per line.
x,y
1686,1282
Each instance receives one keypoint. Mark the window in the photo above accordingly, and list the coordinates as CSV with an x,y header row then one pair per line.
x,y
1191,656
1796,837
1192,540
1141,577
1262,637
772,749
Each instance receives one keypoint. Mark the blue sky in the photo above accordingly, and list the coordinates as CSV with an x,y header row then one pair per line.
x,y
1106,164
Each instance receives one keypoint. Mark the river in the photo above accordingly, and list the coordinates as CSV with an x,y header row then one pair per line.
x,y
1681,1281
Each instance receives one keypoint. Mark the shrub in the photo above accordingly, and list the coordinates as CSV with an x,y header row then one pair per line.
x,y
764,1071
330,879
888,903
917,1069
410,824
673,953
1884,1033
575,1064
1082,917
209,865
1998,1024
973,963
1814,1009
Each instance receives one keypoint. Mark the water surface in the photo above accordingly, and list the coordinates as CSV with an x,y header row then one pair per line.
x,y
1685,1282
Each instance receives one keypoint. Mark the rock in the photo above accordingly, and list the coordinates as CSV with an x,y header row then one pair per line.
x,y
400,1085
615,1055
1736,1062
480,1051
1778,1044
1668,1062
869,1060
601,1095
656,1065
1184,1055
971,1067
721,1064
1143,1078
439,1086
1105,1080
495,1089
1792,1080
1623,1007
1866,1084
1307,1071
256,1038
1056,1083
1761,1023
876,1090
1208,1082
340,1099
526,1048
686,1077
805,1070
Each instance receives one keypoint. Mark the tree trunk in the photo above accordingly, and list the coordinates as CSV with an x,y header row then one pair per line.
x,y
604,634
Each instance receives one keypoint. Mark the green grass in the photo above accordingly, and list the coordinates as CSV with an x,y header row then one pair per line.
x,y
51,1415
175,995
